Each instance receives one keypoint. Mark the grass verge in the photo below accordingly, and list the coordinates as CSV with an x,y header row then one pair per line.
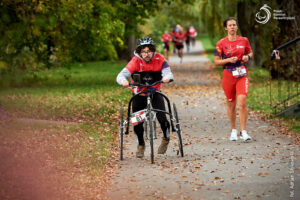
x,y
85,94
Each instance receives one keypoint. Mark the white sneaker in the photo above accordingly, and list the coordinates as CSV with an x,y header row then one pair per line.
x,y
233,136
244,136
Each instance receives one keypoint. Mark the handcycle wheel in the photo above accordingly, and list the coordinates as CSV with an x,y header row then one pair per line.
x,y
154,127
151,138
121,133
178,130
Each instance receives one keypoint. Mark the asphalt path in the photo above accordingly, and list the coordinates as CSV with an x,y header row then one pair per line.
x,y
213,166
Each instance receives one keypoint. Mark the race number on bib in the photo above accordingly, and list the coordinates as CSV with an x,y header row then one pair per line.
x,y
138,118
239,72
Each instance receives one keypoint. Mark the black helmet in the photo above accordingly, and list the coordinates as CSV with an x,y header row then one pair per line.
x,y
145,42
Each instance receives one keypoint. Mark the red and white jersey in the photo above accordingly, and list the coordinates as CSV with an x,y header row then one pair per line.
x,y
237,48
192,33
167,38
137,64
179,38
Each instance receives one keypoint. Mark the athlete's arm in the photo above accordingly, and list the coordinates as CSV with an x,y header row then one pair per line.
x,y
218,53
248,56
166,72
219,61
123,76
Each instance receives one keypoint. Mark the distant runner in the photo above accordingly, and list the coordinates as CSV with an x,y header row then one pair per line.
x,y
187,39
193,35
173,33
166,38
179,41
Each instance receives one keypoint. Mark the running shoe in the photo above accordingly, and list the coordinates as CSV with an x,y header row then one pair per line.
x,y
244,136
233,136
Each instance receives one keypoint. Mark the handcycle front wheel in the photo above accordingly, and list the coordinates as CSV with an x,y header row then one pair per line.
x,y
121,132
178,130
151,137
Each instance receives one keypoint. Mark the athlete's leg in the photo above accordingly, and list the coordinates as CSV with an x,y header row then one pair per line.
x,y
231,112
174,47
242,88
166,53
180,54
139,103
243,111
187,42
229,84
158,103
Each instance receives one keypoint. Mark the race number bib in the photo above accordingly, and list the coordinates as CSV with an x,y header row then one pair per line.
x,y
138,118
239,72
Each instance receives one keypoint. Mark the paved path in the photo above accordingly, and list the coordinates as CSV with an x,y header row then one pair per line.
x,y
213,167
190,57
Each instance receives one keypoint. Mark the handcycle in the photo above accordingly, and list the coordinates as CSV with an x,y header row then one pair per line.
x,y
148,117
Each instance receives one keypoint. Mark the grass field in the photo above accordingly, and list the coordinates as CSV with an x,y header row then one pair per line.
x,y
85,94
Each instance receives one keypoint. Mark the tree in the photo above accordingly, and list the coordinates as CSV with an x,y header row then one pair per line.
x,y
35,34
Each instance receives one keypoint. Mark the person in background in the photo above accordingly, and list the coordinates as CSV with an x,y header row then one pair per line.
x,y
179,41
193,35
187,39
173,33
166,38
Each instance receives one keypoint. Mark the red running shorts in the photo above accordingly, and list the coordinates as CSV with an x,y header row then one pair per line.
x,y
234,86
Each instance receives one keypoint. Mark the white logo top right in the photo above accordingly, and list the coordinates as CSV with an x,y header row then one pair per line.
x,y
264,15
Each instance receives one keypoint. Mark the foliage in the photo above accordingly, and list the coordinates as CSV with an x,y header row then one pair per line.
x,y
35,34
168,15
208,46
213,14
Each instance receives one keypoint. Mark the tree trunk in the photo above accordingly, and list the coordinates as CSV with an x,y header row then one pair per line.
x,y
248,30
131,45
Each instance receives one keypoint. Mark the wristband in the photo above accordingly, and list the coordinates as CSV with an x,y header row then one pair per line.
x,y
249,57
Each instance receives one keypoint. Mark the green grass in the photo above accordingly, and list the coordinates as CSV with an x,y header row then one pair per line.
x,y
259,92
78,74
259,98
208,46
89,91
209,50
86,94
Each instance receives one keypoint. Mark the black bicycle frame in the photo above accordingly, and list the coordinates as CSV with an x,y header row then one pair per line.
x,y
148,92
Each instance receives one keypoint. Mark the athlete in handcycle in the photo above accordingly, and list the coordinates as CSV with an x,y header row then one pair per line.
x,y
148,70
